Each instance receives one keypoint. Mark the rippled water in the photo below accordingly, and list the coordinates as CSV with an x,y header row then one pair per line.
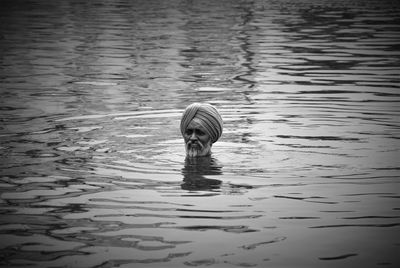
x,y
93,170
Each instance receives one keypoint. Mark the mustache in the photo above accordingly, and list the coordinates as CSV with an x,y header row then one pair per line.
x,y
197,143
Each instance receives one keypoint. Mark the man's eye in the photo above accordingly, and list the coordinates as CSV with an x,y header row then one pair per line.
x,y
199,132
189,132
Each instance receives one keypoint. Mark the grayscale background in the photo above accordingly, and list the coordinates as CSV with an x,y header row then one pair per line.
x,y
92,162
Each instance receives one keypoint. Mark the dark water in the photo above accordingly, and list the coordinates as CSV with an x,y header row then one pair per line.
x,y
93,171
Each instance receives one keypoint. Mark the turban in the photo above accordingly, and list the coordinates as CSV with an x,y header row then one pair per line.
x,y
210,119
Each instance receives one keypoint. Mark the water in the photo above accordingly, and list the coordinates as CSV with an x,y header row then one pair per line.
x,y
93,170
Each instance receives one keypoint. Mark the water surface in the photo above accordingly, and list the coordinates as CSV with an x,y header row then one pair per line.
x,y
93,170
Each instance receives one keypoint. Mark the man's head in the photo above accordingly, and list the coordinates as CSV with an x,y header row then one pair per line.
x,y
201,126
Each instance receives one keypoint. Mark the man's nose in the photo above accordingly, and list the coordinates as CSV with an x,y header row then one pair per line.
x,y
193,136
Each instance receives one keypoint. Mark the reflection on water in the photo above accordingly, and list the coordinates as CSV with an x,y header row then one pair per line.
x,y
92,165
195,172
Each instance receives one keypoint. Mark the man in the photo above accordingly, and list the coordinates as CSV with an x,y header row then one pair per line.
x,y
201,126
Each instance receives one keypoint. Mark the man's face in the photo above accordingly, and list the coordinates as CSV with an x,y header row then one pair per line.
x,y
197,141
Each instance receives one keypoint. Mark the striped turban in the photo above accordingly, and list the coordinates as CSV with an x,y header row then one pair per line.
x,y
210,119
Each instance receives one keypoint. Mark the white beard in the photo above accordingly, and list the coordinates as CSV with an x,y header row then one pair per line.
x,y
195,152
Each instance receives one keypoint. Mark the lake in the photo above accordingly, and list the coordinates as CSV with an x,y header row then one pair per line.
x,y
93,170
